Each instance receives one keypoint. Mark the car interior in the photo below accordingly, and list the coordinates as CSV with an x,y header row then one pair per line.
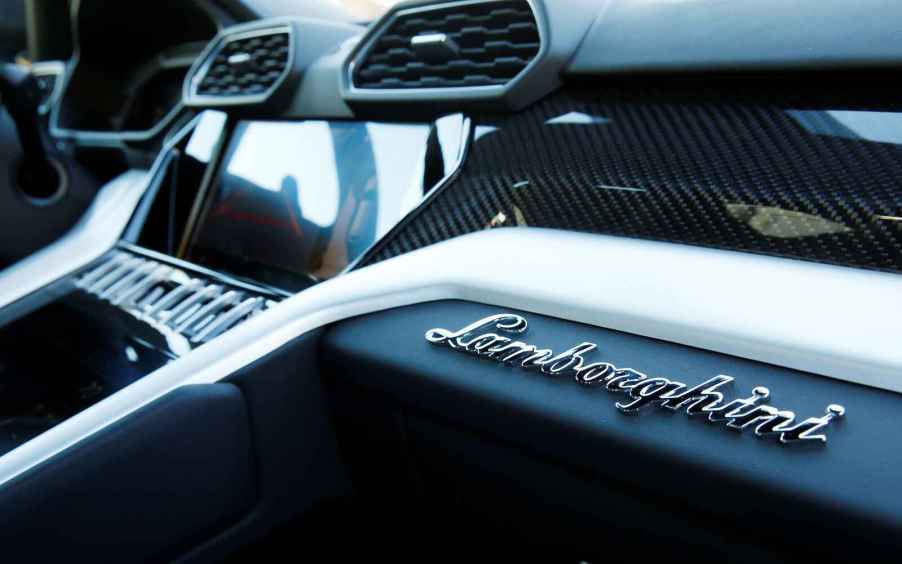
x,y
450,280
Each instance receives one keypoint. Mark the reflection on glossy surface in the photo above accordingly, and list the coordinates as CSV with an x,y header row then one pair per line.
x,y
883,127
65,356
577,118
206,135
620,188
275,157
775,222
307,198
897,221
483,130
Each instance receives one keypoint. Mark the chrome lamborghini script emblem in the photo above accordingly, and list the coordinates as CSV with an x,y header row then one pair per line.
x,y
703,399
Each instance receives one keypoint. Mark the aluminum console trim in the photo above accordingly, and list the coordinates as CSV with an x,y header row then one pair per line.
x,y
834,321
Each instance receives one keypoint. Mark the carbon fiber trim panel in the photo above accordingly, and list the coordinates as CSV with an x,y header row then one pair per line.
x,y
794,180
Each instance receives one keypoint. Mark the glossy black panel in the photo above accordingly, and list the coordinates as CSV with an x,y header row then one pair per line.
x,y
71,345
297,461
297,202
65,356
143,489
780,173
167,208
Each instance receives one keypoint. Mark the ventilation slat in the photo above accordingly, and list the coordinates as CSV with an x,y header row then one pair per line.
x,y
100,271
226,320
127,282
175,296
130,295
161,294
118,272
229,298
186,307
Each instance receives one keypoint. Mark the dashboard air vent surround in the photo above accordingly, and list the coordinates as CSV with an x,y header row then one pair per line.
x,y
242,67
453,45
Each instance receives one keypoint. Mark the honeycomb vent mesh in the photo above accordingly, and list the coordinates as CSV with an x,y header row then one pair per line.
x,y
246,66
494,42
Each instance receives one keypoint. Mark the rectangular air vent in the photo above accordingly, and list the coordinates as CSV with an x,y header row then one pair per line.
x,y
450,45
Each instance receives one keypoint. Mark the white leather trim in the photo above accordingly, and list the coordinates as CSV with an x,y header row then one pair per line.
x,y
98,230
838,322
94,234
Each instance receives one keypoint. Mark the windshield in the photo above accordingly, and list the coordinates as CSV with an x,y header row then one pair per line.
x,y
346,10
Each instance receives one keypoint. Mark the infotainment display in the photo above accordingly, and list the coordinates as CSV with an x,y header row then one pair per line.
x,y
297,202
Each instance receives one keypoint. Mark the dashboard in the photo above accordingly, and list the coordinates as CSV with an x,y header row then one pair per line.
x,y
551,280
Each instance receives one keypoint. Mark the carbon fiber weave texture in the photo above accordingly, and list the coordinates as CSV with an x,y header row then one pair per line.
x,y
758,177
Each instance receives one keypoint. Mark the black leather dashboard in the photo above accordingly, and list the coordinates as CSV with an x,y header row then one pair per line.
x,y
664,478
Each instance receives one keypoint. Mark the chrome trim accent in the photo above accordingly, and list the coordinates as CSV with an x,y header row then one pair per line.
x,y
227,298
201,65
667,291
351,92
239,58
155,310
703,399
123,265
218,276
135,269
50,68
184,310
168,299
224,322
98,273
110,137
433,44
127,297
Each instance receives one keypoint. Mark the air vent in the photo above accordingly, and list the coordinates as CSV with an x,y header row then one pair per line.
x,y
248,64
169,298
457,45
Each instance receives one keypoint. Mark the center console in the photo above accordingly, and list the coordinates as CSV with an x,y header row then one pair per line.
x,y
237,216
